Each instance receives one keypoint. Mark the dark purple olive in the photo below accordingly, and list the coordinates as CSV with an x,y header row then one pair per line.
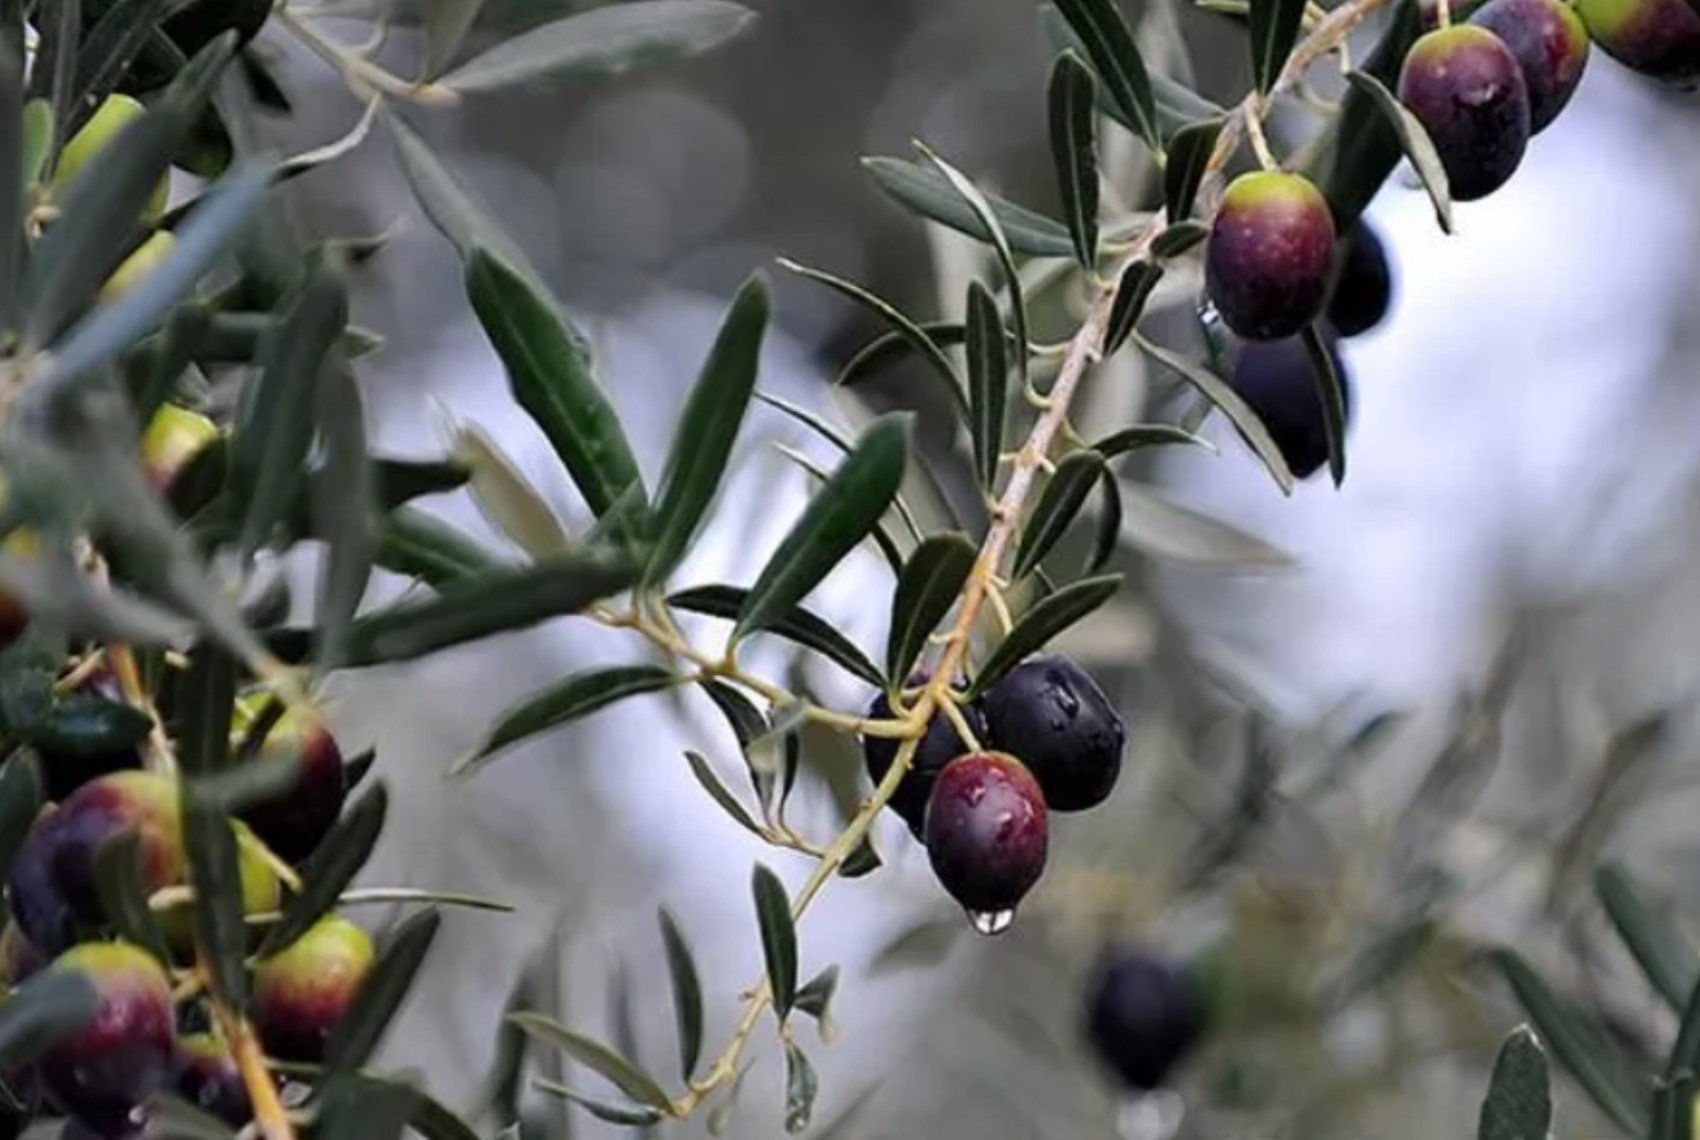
x,y
1271,255
1466,88
986,835
1551,46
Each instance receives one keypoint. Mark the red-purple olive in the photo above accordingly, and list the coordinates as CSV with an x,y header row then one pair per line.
x,y
206,1075
302,992
986,834
1466,88
1051,713
293,822
1144,1014
1658,38
103,1074
939,746
1363,282
1271,255
1278,382
1551,46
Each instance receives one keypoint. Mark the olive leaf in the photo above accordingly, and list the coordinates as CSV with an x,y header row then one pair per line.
x,y
801,1087
1189,154
1064,495
1134,289
1074,151
1332,396
929,585
1413,140
1043,622
687,994
571,698
595,1056
1649,934
331,868
778,938
1518,1105
988,373
1274,30
356,1036
800,626
927,193
1109,44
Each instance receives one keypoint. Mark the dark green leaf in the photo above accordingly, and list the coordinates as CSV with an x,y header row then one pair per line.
x,y
551,378
982,208
1132,292
1109,523
799,625
838,517
750,727
1274,30
575,696
1353,164
931,581
401,481
801,1086
1074,151
628,1116
345,504
446,25
927,193
1109,44
1044,621
221,932
1145,435
174,1119
21,794
1231,405
839,440
708,427
595,1056
815,998
54,71
988,375
108,49
354,1108
1413,140
1178,239
14,177
49,1007
687,994
1580,1044
338,858
165,360
1332,396
881,539
1177,104
1685,1054
435,1121
37,139
124,893
890,347
1189,154
603,41
717,791
778,938
863,861
906,328
1649,934
493,603
421,546
1519,1097
356,1036
1057,507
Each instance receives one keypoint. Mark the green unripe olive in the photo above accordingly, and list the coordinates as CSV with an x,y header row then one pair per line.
x,y
113,115
133,270
172,438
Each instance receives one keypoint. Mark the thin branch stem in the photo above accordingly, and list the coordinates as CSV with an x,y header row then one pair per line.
x,y
360,73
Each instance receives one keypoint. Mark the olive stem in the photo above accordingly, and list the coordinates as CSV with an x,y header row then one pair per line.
x,y
269,1113
361,74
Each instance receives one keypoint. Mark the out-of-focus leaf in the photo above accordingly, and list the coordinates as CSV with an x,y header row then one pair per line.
x,y
354,1108
687,994
1413,140
1132,292
926,192
1057,507
708,427
982,208
1332,396
446,24
799,625
206,699
837,518
13,178
1231,405
890,347
1274,30
329,870
1146,435
37,139
801,1086
1074,151
344,492
49,1007
1580,1044
627,1116
932,579
176,1119
124,894
1109,44
1044,621
821,427
21,795
1189,154
575,696
1685,1054
1651,937
595,1056
1178,238
550,377
1167,530
815,998
505,498
717,791
110,46
355,1037
778,938
602,41
988,375
421,546
1177,105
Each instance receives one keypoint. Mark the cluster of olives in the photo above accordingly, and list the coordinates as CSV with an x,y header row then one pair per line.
x,y
1052,742
147,1035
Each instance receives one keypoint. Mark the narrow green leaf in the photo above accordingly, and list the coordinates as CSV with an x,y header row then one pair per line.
x,y
14,141
1043,622
1179,238
1413,140
838,517
49,1007
602,41
687,994
622,1115
750,727
1064,494
1650,935
1109,44
21,796
778,938
1519,1097
929,585
176,1119
1685,1054
1360,150
839,440
901,324
708,428
988,376
446,24
890,347
123,893
54,72
551,378
221,933
1006,258
506,498
1146,435
1581,1046
1163,529
499,602
435,1121
799,625
926,193
1074,151
1231,405
1274,30
704,773
1177,104
37,139
423,547
801,1087
815,998
1189,155
331,868
1109,523
887,547
595,1056
573,697
1332,396
108,50
357,1035
356,1109
344,492
1138,281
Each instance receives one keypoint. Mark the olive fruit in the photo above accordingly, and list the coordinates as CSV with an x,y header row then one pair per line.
x,y
1658,38
1363,283
105,1071
1052,715
1270,255
1278,382
206,1075
134,269
1466,88
1144,1013
172,439
1551,46
303,991
986,835
939,746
